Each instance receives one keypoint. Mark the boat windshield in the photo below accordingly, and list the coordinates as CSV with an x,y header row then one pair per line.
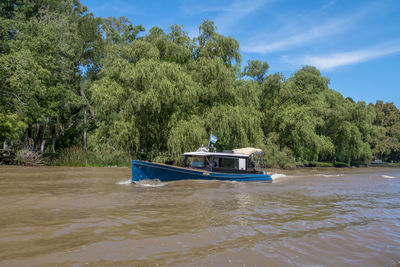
x,y
197,162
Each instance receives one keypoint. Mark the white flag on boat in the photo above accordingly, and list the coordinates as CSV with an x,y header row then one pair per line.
x,y
213,138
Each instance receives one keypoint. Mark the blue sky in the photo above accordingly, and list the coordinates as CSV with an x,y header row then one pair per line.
x,y
356,44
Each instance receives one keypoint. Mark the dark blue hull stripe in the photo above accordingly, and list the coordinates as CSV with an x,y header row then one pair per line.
x,y
146,170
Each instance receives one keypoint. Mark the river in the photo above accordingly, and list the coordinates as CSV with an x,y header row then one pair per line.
x,y
307,217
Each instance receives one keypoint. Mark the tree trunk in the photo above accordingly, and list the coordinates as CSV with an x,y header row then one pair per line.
x,y
28,141
5,145
88,104
42,146
53,138
84,132
26,136
41,141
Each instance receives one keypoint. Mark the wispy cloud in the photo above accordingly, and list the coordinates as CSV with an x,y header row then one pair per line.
x,y
295,40
236,12
191,10
116,8
303,30
335,60
226,16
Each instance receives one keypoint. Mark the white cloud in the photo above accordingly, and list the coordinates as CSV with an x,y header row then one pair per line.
x,y
295,40
191,10
303,30
302,37
235,12
334,60
225,17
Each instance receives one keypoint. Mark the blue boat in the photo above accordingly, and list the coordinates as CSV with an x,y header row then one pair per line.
x,y
235,165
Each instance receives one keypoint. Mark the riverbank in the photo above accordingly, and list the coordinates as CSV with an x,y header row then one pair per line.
x,y
71,157
76,157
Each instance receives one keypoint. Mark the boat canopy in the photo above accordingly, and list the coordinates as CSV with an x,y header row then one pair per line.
x,y
247,150
204,154
239,152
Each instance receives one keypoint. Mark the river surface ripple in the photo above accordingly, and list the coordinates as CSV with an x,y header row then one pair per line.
x,y
307,217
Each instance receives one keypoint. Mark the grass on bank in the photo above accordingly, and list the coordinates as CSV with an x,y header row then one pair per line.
x,y
77,157
328,164
394,164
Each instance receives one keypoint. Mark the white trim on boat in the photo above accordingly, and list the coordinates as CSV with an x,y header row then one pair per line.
x,y
215,154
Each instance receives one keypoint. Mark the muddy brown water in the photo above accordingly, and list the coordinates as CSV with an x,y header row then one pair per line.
x,y
60,216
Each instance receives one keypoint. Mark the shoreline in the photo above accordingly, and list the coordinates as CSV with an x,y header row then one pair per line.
x,y
112,160
396,165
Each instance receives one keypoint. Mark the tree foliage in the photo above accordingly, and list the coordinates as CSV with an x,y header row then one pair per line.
x,y
156,94
385,140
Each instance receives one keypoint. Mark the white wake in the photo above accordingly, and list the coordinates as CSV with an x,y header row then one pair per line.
x,y
150,183
276,176
331,175
127,182
388,176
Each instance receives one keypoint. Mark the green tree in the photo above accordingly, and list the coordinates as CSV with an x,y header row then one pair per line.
x,y
385,142
211,44
120,30
256,70
50,42
157,94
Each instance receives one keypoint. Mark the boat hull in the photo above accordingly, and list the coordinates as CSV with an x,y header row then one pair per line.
x,y
142,170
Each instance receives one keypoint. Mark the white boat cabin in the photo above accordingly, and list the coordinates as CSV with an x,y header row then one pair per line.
x,y
242,160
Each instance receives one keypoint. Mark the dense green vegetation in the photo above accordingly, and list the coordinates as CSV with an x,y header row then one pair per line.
x,y
66,75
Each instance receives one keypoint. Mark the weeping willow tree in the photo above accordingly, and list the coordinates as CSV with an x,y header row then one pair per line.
x,y
164,93
155,94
